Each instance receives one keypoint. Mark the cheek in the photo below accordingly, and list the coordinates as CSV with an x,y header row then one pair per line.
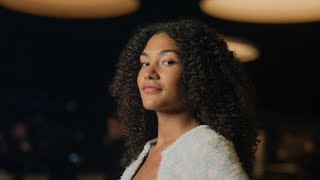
x,y
175,83
178,81
139,79
177,77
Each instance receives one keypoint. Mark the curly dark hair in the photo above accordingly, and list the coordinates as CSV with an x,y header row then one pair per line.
x,y
215,86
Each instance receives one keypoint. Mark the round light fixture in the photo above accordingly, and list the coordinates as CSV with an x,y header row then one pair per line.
x,y
244,50
73,8
264,11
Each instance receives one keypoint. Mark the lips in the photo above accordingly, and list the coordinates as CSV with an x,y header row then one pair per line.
x,y
151,88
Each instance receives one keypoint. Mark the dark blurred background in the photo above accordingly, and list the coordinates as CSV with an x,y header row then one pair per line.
x,y
56,112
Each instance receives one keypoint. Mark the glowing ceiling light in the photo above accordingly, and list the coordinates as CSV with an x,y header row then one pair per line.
x,y
244,50
73,8
264,11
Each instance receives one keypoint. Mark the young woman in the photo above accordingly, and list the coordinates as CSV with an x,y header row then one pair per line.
x,y
183,101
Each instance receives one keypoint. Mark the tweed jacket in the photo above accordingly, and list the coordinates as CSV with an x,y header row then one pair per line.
x,y
199,154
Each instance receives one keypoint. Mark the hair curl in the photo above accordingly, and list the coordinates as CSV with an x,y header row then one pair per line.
x,y
215,87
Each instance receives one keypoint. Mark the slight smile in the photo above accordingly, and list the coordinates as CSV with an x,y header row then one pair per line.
x,y
151,88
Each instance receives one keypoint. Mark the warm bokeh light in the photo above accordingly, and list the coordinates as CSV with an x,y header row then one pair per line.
x,y
73,8
264,11
244,50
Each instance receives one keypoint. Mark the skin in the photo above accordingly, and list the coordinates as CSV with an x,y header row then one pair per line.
x,y
159,82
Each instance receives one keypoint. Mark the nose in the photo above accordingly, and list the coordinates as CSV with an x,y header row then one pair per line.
x,y
151,73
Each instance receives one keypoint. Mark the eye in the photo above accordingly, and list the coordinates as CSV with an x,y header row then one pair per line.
x,y
168,62
144,64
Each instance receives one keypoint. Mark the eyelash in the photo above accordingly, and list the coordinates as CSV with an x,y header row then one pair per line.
x,y
167,62
144,64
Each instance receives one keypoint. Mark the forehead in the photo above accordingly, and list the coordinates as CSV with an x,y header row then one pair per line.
x,y
160,41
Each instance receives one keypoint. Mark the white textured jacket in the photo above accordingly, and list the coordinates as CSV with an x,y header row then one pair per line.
x,y
199,154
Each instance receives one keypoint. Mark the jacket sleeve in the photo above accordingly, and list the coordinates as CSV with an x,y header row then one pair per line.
x,y
222,161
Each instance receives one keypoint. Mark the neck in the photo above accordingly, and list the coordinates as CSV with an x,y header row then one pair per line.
x,y
173,125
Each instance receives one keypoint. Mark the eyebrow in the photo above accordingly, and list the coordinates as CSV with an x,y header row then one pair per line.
x,y
161,52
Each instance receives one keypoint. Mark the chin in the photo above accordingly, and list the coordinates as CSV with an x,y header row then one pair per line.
x,y
149,107
152,105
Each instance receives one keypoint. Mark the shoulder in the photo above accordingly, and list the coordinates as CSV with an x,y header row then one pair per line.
x,y
202,139
208,144
206,153
212,143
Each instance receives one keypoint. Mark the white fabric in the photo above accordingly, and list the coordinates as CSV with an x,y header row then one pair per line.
x,y
199,154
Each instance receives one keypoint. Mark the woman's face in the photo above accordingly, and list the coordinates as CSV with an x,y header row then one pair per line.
x,y
159,79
